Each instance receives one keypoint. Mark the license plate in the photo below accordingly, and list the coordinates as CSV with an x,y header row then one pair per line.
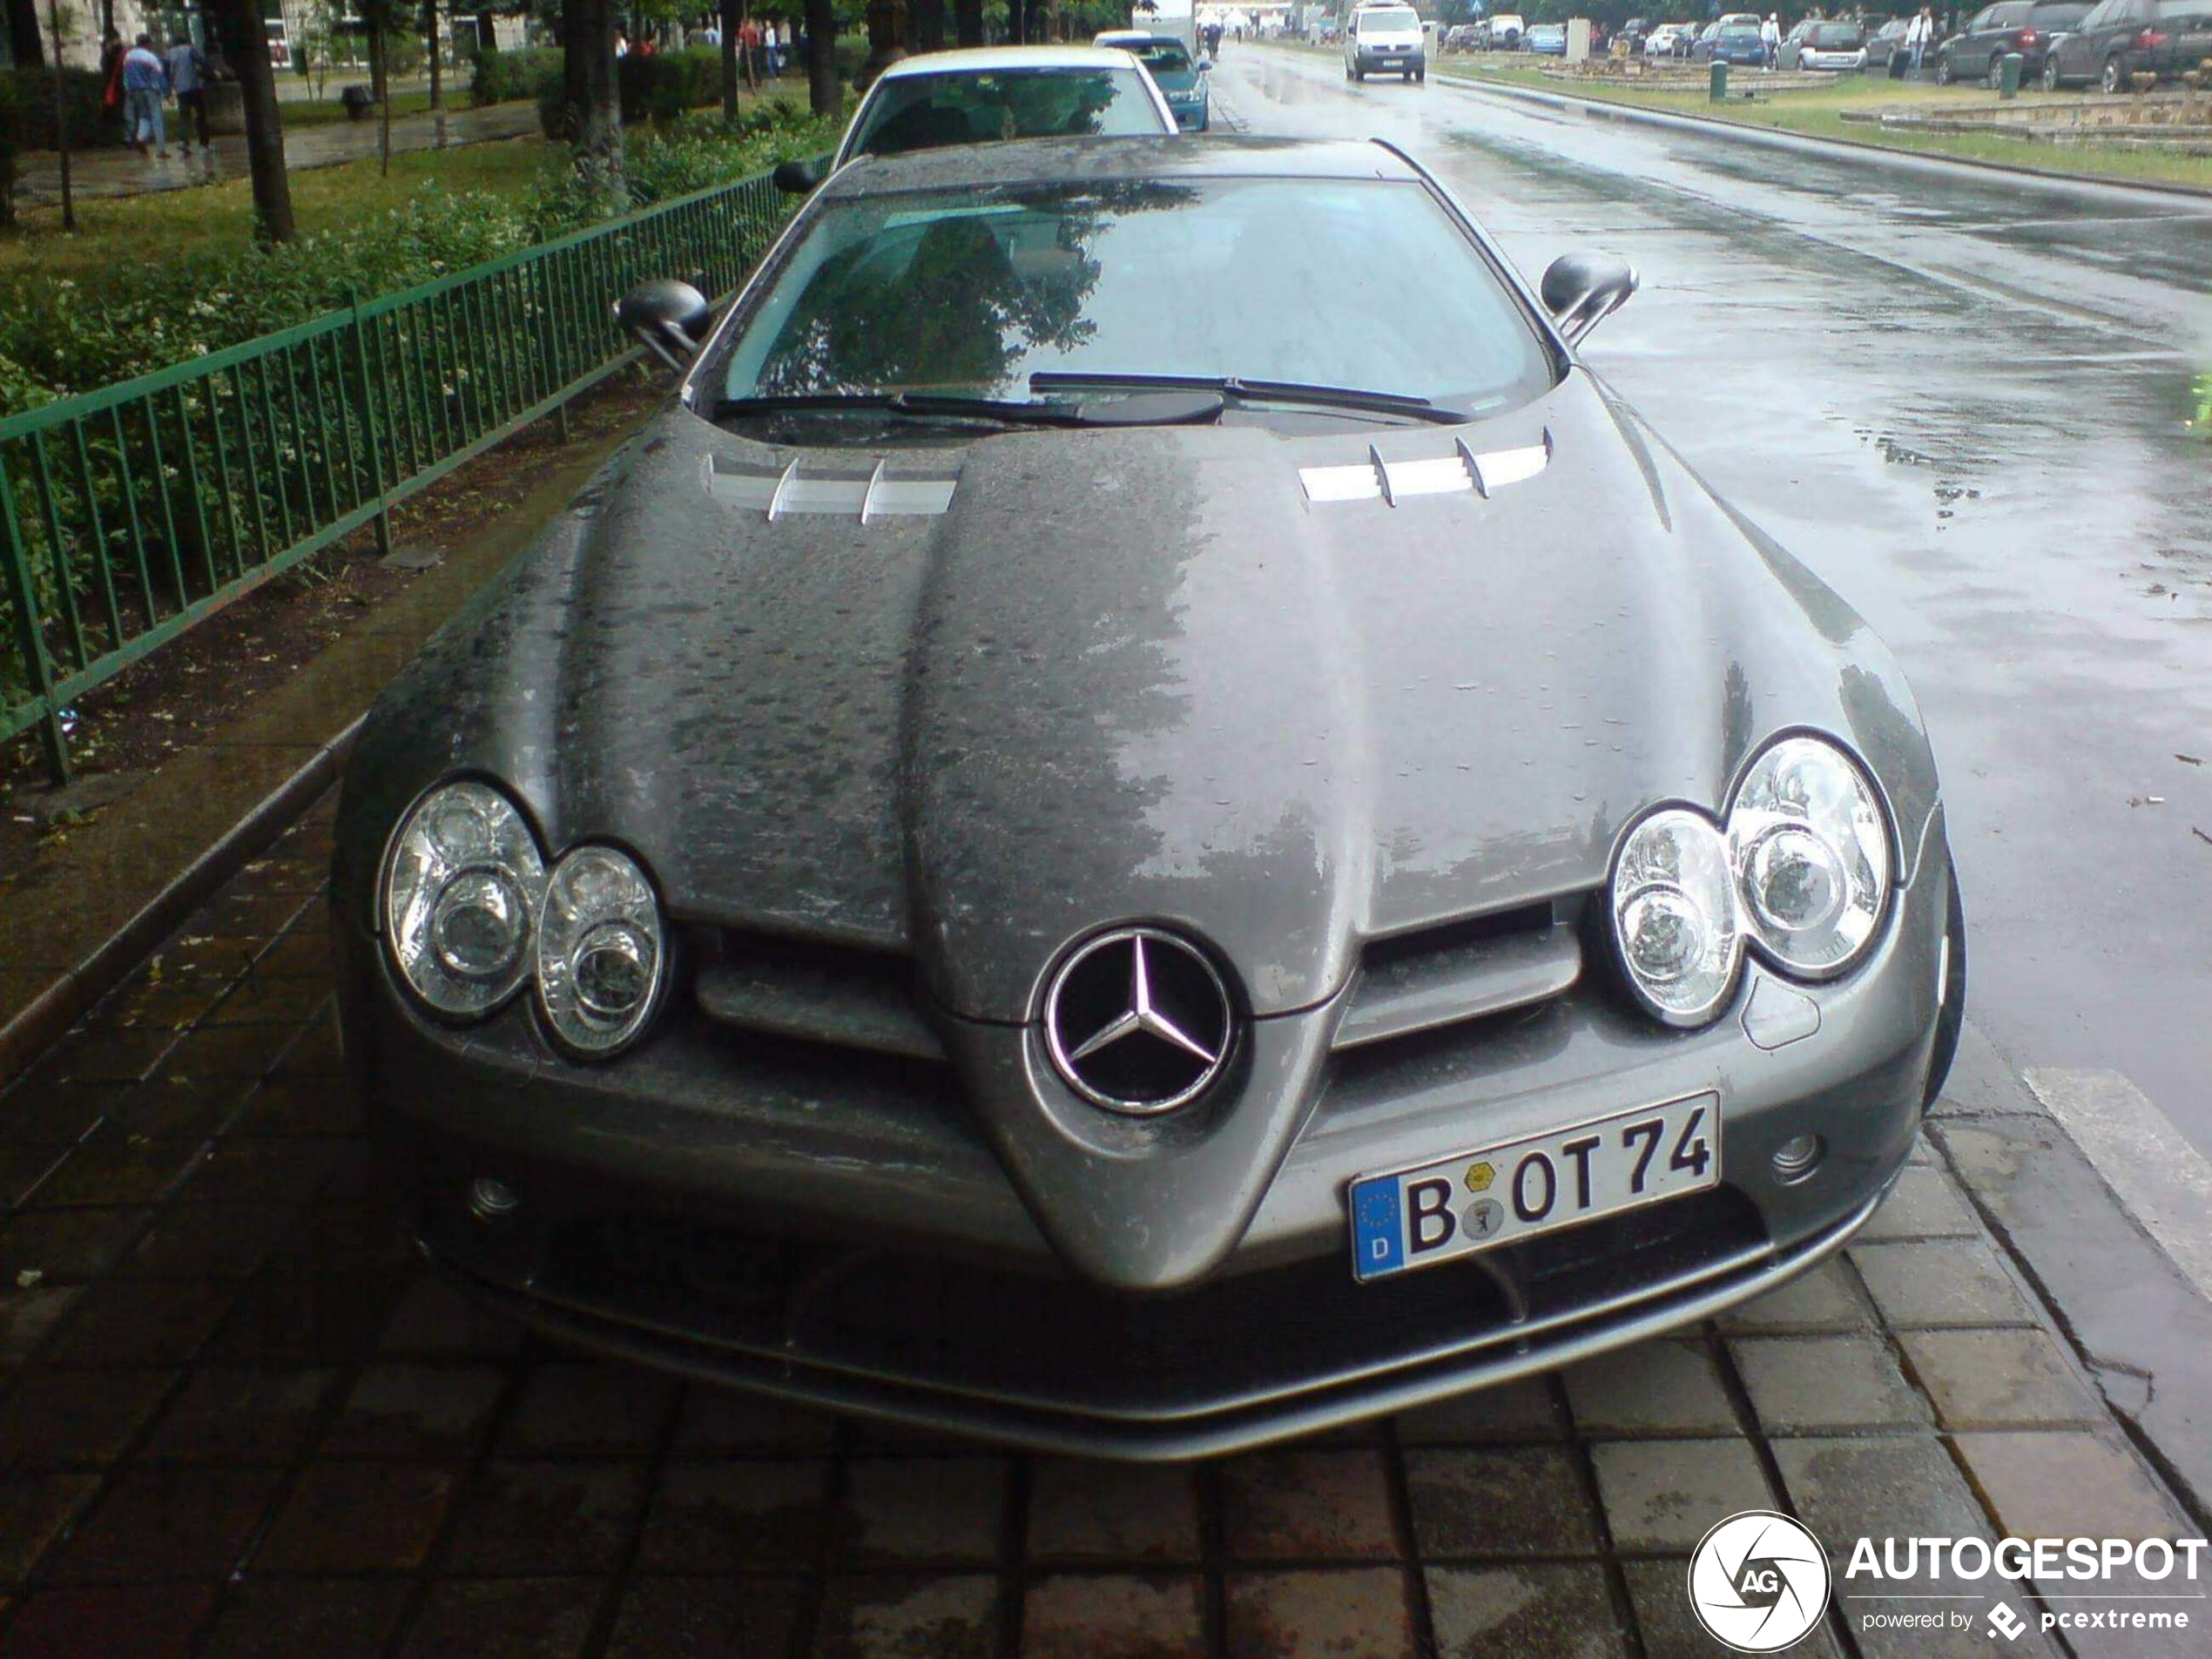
x,y
1499,1194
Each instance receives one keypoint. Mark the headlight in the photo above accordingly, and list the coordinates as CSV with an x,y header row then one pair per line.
x,y
461,887
1673,915
1811,856
601,954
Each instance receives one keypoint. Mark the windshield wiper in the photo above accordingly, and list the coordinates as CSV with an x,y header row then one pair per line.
x,y
1237,389
928,406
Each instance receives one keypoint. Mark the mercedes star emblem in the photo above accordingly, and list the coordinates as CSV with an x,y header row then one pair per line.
x,y
1137,1021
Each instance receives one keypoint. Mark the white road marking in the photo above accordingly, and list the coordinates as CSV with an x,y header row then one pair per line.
x,y
2160,1179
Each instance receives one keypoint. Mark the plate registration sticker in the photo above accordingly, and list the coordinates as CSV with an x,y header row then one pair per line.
x,y
1499,1195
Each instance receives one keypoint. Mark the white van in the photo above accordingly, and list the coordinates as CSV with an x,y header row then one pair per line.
x,y
1384,39
1505,30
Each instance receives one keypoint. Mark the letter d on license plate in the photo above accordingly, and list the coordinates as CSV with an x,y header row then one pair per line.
x,y
1499,1195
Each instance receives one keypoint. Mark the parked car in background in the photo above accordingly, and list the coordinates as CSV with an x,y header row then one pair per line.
x,y
1977,52
1885,48
1385,40
1669,40
1633,32
1005,93
1181,78
1505,30
1815,45
2118,38
1548,39
1731,42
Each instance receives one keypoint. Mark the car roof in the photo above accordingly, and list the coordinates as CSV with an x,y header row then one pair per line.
x,y
983,60
1100,160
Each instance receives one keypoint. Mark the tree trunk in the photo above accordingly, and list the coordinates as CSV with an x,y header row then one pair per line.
x,y
823,92
245,41
437,73
592,97
61,119
380,83
926,26
26,36
731,19
1014,11
967,21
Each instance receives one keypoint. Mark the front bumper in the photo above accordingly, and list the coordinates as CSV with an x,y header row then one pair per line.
x,y
1390,63
847,1236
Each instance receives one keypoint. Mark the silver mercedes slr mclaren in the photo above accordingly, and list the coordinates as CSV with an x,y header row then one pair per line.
x,y
1146,819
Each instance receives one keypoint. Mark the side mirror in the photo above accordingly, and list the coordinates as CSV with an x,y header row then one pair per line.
x,y
1205,65
671,318
1582,290
798,177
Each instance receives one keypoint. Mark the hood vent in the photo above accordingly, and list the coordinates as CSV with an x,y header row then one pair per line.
x,y
1460,471
865,495
841,998
1463,971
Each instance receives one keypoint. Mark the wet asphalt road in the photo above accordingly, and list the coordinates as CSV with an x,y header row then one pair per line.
x,y
1964,402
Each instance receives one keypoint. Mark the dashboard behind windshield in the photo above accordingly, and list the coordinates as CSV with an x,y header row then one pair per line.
x,y
972,291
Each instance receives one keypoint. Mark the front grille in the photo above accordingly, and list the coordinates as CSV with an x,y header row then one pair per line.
x,y
1058,1344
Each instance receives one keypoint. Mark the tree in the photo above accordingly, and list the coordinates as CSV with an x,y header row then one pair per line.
x,y
245,40
591,101
967,21
56,16
430,33
823,93
26,38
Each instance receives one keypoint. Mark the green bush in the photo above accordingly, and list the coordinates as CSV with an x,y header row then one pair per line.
x,y
27,108
661,87
689,154
503,76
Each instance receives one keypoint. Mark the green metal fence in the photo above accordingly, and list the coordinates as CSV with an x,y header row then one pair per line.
x,y
130,513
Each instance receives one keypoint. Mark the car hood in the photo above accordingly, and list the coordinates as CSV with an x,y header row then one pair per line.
x,y
1130,674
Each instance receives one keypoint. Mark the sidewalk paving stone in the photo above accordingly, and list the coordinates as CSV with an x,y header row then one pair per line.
x,y
1998,1378
1939,1282
329,1618
1828,1299
713,1618
2066,1483
537,1618
1115,1616
1666,1494
1350,1613
1307,1506
1658,1591
1669,1386
1087,1512
571,1517
1806,1385
1527,1500
1563,1611
891,1618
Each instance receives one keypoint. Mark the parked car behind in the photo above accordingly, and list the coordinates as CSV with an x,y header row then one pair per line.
x,y
1181,79
1815,45
1731,42
1977,52
2118,38
1549,39
1005,93
1885,48
1505,30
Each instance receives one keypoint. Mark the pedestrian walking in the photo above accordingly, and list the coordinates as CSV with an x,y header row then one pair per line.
x,y
1916,36
146,89
188,80
1770,39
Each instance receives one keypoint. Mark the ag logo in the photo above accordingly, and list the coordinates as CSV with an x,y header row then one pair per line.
x,y
1480,1175
1758,1582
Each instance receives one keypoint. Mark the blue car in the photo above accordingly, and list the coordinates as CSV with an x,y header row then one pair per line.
x,y
1181,81
1549,39
1732,45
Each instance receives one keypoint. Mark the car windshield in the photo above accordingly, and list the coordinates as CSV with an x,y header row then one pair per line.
x,y
971,292
1833,34
922,112
1391,20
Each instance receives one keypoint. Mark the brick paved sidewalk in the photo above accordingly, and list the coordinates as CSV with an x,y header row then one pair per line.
x,y
239,1420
